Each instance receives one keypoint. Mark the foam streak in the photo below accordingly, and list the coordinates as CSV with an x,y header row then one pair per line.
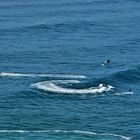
x,y
42,75
66,131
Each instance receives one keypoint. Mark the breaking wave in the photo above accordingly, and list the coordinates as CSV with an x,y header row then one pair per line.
x,y
69,132
54,86
60,86
43,75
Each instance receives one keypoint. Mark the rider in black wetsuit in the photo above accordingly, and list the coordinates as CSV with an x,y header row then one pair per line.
x,y
107,61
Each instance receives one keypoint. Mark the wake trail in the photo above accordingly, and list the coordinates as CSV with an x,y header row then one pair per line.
x,y
4,74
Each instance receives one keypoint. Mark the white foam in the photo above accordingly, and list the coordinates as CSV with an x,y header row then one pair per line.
x,y
63,81
66,131
124,93
13,131
42,75
55,88
116,135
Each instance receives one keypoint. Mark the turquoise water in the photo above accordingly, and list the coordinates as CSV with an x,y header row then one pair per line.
x,y
51,56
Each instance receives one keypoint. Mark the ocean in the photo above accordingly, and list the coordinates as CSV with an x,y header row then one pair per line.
x,y
54,83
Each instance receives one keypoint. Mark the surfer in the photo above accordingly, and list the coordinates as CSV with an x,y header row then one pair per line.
x,y
103,86
106,62
130,90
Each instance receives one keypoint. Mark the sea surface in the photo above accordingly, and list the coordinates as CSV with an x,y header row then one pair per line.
x,y
53,81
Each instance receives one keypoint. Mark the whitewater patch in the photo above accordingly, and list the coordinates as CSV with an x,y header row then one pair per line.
x,y
69,132
124,93
42,75
54,86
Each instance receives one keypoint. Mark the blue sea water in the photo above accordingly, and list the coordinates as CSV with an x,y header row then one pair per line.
x,y
50,58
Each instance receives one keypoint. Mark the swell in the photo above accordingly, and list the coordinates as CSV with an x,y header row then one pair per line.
x,y
56,4
55,27
62,86
130,75
73,25
65,26
123,76
68,132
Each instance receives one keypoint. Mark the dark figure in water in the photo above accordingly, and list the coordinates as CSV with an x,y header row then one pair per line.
x,y
107,61
130,90
105,85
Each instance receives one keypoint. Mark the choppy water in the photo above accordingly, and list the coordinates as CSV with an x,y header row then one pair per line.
x,y
50,58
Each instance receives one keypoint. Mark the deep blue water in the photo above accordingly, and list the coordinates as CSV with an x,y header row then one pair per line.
x,y
50,58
